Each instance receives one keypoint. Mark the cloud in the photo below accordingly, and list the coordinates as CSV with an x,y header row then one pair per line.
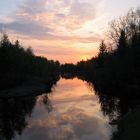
x,y
74,124
37,17
53,23
27,28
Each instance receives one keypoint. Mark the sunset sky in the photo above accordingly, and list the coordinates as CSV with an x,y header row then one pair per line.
x,y
64,30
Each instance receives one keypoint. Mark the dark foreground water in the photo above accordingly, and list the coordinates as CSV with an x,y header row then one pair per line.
x,y
71,111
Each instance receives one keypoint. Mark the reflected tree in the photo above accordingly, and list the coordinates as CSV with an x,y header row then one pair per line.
x,y
116,107
13,116
44,99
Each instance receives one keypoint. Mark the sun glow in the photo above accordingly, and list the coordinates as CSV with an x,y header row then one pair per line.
x,y
85,58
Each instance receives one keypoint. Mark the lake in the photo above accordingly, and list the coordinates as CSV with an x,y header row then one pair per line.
x,y
72,111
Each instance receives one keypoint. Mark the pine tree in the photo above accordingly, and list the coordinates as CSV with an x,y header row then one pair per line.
x,y
102,48
102,51
122,43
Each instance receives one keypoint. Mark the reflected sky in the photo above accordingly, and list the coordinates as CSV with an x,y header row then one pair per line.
x,y
75,115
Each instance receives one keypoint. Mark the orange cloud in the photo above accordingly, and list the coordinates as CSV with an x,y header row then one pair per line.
x,y
51,28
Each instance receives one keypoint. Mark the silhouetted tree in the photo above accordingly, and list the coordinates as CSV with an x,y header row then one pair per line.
x,y
18,65
122,43
135,40
5,41
130,24
118,68
102,48
102,51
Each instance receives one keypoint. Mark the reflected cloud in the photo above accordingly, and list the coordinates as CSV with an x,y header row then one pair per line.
x,y
71,125
76,116
72,91
72,99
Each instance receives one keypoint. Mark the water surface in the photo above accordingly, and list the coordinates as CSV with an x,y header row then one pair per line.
x,y
70,112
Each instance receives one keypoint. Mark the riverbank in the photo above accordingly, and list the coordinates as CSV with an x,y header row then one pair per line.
x,y
129,126
32,87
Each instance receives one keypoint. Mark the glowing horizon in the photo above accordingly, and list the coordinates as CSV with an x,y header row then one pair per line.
x,y
63,30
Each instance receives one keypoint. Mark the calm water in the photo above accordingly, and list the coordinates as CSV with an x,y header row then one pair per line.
x,y
70,112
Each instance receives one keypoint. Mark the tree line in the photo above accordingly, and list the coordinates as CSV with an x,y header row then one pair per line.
x,y
117,65
18,65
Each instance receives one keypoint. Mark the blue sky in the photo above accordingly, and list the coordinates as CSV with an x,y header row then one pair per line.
x,y
7,6
58,29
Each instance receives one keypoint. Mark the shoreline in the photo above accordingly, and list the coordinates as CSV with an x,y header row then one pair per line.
x,y
28,89
128,127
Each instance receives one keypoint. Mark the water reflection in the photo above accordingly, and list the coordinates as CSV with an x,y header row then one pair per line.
x,y
44,100
116,107
75,115
72,111
110,106
13,114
